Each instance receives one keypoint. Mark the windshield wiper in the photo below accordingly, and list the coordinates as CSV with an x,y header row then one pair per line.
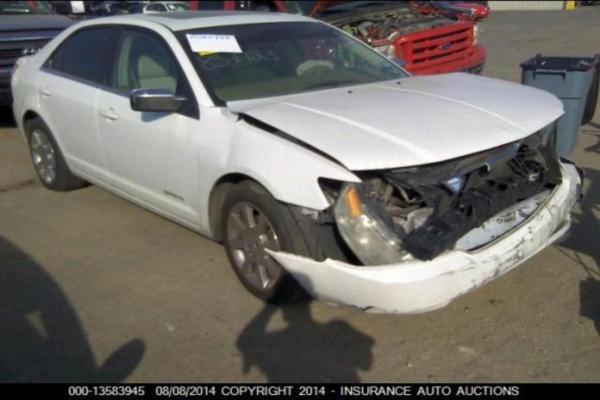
x,y
329,84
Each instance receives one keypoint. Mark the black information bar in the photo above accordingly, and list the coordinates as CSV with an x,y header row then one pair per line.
x,y
277,391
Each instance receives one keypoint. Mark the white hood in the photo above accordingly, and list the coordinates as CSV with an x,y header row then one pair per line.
x,y
422,120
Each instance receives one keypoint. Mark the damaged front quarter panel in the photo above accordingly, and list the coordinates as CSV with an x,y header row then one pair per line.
x,y
414,286
424,210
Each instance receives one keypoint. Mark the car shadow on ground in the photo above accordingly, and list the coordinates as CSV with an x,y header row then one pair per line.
x,y
595,148
6,118
41,338
306,350
583,239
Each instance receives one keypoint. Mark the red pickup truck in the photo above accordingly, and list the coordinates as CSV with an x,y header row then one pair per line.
x,y
461,11
426,44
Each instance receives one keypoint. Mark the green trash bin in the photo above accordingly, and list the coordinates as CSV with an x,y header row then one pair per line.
x,y
574,80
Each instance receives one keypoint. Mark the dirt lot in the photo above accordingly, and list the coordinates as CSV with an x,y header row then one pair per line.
x,y
93,287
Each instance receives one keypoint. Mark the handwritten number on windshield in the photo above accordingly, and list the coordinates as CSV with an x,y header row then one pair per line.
x,y
221,60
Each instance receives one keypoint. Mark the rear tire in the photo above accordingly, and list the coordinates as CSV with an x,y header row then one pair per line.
x,y
48,161
253,221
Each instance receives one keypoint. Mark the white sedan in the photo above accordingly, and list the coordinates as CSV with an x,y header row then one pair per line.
x,y
165,6
318,163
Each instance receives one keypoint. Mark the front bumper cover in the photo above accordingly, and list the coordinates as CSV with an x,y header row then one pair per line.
x,y
417,286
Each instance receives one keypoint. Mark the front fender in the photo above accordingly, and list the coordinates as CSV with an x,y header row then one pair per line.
x,y
289,171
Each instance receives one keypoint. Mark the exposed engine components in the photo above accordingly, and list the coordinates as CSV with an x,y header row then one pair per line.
x,y
424,211
389,24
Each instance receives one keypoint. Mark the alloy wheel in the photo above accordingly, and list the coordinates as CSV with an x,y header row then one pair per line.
x,y
249,234
43,156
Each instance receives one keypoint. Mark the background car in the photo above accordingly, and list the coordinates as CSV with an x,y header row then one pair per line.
x,y
111,7
165,6
25,27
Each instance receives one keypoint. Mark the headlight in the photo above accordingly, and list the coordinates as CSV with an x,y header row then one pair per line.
x,y
475,34
549,134
369,237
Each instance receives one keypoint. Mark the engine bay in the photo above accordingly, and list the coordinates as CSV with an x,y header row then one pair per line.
x,y
386,23
431,207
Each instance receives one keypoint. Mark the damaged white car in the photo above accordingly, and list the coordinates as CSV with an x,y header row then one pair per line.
x,y
314,159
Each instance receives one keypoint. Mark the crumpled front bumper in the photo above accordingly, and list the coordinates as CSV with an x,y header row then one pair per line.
x,y
418,286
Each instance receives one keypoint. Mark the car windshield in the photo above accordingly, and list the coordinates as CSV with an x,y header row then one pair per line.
x,y
25,7
283,58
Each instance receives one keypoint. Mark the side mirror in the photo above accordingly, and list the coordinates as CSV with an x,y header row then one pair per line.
x,y
156,100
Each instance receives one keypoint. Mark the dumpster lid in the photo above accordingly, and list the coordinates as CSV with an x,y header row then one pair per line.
x,y
561,64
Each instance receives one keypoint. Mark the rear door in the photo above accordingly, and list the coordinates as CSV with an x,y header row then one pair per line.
x,y
150,155
68,88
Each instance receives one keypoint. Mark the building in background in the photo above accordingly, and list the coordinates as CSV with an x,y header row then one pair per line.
x,y
530,5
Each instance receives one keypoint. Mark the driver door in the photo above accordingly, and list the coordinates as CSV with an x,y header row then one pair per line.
x,y
149,155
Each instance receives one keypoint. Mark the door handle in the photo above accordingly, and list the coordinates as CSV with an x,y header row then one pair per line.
x,y
45,92
110,114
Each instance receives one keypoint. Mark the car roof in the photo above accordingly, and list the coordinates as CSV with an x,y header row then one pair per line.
x,y
185,20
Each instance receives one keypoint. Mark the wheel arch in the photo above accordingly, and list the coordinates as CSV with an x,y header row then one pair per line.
x,y
28,116
218,194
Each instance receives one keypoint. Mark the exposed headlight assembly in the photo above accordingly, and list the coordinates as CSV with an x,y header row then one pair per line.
x,y
549,134
420,212
370,238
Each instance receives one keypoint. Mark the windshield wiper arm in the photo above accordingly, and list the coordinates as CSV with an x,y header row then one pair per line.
x,y
328,84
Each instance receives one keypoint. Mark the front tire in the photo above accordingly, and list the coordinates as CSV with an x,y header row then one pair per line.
x,y
253,221
48,161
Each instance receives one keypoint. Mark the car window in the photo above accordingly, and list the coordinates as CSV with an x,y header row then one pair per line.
x,y
143,60
174,7
156,7
24,7
83,55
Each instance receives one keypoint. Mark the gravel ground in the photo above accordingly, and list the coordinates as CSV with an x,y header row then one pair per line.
x,y
95,288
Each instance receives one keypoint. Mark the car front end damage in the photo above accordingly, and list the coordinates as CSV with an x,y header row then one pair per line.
x,y
410,240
